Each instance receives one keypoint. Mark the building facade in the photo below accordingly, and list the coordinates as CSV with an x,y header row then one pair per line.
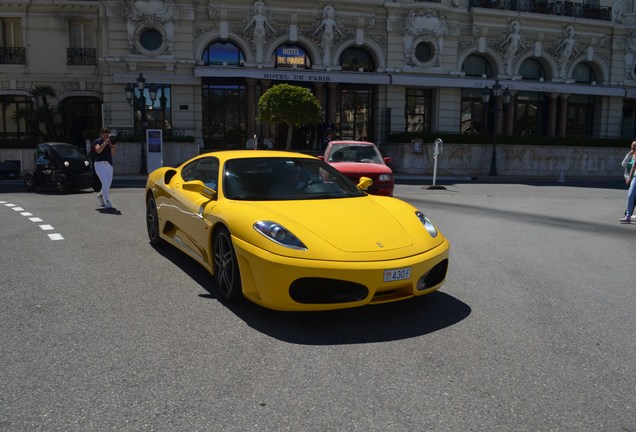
x,y
549,68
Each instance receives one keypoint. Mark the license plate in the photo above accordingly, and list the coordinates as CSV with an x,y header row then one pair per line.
x,y
397,274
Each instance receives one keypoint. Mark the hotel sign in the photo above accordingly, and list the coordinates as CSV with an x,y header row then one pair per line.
x,y
290,56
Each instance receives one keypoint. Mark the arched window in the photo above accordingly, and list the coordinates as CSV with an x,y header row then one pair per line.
x,y
356,59
583,74
223,54
15,130
532,70
477,66
293,56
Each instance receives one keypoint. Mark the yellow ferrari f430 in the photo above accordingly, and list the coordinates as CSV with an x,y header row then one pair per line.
x,y
289,232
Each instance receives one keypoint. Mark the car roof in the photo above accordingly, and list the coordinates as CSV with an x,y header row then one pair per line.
x,y
246,154
58,144
352,142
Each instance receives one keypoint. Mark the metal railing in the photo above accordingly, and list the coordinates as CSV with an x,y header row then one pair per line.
x,y
556,7
12,55
81,56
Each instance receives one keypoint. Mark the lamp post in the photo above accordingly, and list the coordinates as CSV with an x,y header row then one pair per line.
x,y
495,92
139,103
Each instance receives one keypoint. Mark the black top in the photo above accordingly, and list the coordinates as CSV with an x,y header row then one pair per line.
x,y
105,155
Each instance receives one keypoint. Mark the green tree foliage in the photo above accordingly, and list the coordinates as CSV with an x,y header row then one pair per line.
x,y
293,105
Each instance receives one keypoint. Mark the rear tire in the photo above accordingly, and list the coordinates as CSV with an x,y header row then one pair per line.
x,y
226,269
29,182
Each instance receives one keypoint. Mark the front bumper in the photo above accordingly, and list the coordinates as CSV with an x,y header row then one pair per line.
x,y
292,284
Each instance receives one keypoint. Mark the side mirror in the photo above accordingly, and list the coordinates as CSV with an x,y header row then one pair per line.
x,y
199,187
321,157
364,183
388,160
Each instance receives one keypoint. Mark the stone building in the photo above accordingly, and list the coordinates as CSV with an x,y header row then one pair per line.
x,y
563,68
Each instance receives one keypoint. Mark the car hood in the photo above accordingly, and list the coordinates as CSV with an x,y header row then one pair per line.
x,y
367,227
361,168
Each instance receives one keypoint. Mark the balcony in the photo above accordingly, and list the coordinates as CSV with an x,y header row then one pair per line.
x,y
12,55
81,56
557,7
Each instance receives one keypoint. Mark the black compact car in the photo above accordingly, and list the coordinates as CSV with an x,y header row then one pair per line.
x,y
61,166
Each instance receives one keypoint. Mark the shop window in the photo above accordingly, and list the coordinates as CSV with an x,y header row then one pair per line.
x,y
580,115
224,106
291,56
15,133
356,59
223,54
419,104
477,66
158,113
472,114
531,114
354,112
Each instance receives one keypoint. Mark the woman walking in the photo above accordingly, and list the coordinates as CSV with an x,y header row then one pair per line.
x,y
630,165
104,148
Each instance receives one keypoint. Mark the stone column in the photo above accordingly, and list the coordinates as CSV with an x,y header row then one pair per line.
x,y
563,116
250,125
331,109
552,114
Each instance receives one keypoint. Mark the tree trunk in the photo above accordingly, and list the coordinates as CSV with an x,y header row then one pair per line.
x,y
290,127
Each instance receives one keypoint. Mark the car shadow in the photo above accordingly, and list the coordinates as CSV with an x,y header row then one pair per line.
x,y
369,324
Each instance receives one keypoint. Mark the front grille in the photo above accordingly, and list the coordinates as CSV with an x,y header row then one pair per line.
x,y
326,291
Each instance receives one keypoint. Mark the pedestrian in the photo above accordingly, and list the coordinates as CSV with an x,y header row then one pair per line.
x,y
629,166
104,149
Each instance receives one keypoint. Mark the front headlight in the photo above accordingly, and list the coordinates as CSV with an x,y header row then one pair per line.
x,y
385,177
67,164
86,163
279,234
427,224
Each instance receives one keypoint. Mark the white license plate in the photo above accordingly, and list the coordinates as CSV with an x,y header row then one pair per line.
x,y
397,274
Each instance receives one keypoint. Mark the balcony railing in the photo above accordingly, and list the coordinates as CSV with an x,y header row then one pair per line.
x,y
11,55
557,7
81,56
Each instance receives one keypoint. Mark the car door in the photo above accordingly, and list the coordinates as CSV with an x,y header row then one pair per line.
x,y
188,213
43,163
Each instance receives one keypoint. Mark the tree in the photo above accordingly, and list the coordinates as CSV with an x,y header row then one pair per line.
x,y
293,105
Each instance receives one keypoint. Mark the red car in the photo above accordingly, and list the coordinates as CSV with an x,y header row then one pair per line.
x,y
356,159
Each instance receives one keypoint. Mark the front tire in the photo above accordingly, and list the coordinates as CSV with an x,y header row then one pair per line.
x,y
226,270
60,184
152,222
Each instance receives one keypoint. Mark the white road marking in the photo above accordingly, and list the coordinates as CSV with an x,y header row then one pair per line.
x,y
44,227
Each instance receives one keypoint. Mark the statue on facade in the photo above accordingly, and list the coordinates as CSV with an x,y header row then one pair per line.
x,y
630,56
150,13
566,48
261,25
617,11
329,29
512,42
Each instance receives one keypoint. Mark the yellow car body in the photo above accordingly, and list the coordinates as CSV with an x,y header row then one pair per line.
x,y
328,245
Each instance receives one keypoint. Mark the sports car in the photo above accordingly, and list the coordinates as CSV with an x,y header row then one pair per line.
x,y
357,159
290,232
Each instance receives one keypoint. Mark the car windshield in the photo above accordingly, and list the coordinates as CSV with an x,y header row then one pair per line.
x,y
275,178
68,152
354,153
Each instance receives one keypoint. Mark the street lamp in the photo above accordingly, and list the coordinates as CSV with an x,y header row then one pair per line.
x,y
139,102
495,92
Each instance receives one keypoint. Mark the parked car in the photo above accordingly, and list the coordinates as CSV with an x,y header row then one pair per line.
x,y
9,169
290,232
357,159
61,166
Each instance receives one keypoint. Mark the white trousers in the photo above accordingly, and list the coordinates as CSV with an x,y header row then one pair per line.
x,y
104,171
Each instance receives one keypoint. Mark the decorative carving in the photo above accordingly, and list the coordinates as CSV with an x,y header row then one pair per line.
x,y
426,25
630,56
150,14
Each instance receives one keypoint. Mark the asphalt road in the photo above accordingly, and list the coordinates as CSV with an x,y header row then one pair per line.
x,y
533,331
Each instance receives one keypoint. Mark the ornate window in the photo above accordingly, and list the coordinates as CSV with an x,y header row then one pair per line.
x,y
223,54
477,66
532,70
81,49
356,59
11,46
583,74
